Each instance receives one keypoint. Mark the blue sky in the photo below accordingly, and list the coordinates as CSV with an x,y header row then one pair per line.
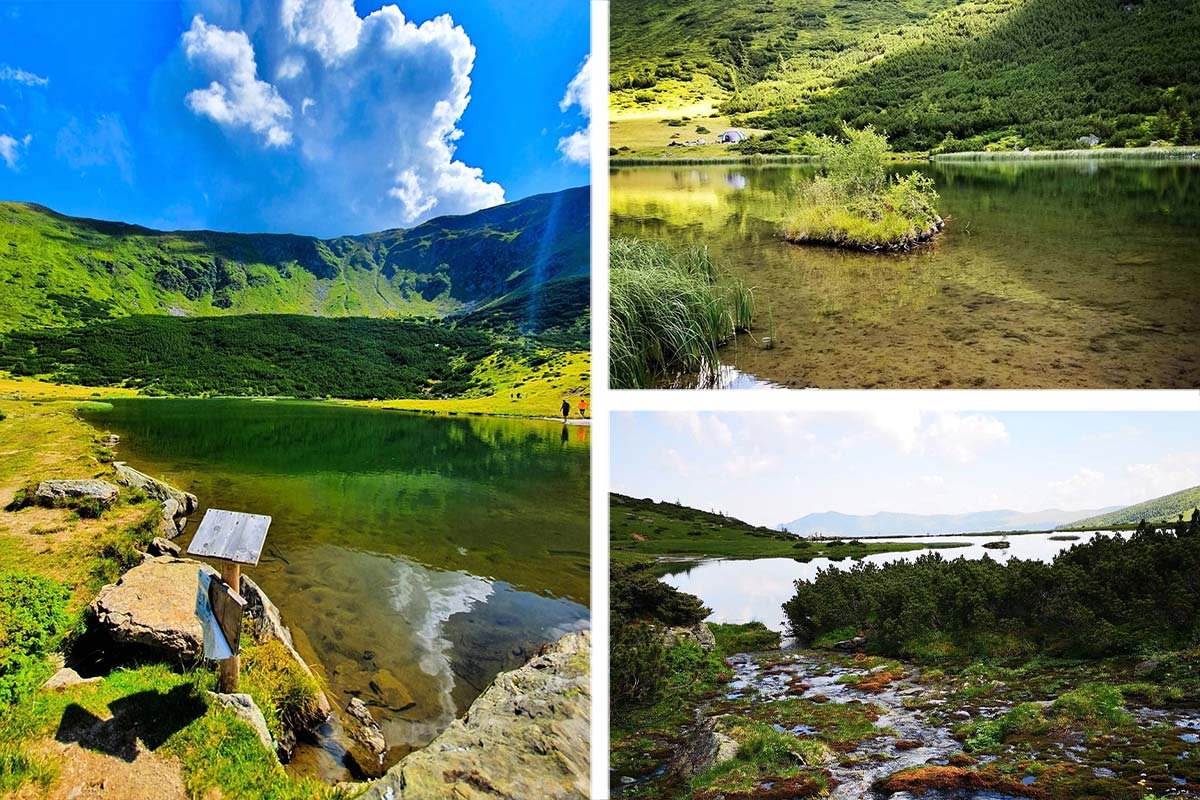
x,y
309,116
768,468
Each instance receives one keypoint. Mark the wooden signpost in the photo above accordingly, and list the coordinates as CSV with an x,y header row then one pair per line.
x,y
233,539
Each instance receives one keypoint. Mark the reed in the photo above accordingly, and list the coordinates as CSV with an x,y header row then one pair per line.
x,y
669,311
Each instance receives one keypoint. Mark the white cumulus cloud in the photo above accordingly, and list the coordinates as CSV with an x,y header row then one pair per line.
x,y
235,97
380,98
576,147
10,148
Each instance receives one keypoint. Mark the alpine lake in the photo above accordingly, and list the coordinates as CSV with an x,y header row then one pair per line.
x,y
1049,274
413,556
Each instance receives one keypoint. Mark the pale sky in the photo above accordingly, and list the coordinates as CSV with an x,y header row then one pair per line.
x,y
769,468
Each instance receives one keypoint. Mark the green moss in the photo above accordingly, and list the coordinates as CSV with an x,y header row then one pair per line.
x,y
765,754
1093,705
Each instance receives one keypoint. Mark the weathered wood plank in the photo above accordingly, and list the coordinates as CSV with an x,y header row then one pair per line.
x,y
228,607
231,536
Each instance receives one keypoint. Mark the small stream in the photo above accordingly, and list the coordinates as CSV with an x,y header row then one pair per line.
x,y
916,725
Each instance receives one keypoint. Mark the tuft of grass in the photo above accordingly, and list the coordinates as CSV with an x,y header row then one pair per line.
x,y
749,637
286,693
670,311
987,735
1094,705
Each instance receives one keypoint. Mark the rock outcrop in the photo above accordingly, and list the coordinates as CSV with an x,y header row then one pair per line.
x,y
162,547
706,747
526,736
66,678
153,608
700,634
65,492
153,487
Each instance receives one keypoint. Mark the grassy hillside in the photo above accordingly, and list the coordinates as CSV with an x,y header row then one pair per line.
x,y
643,530
57,270
933,74
1161,509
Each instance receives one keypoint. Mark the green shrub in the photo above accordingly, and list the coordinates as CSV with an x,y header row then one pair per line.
x,y
636,665
33,619
636,594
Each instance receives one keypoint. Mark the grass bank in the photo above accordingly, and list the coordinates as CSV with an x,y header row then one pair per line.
x,y
669,312
53,561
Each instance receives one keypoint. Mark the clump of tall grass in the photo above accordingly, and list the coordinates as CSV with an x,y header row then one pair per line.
x,y
670,311
854,204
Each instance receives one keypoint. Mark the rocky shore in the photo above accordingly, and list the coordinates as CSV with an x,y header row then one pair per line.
x,y
526,736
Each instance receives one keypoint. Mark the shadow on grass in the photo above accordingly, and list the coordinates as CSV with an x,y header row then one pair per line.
x,y
151,717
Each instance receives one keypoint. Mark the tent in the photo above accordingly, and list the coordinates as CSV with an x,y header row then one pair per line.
x,y
731,136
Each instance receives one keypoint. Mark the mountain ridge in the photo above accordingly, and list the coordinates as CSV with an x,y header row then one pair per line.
x,y
885,523
58,270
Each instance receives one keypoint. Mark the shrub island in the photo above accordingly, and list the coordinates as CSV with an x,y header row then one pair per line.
x,y
853,203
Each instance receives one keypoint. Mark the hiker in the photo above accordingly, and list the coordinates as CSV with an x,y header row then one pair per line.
x,y
566,409
582,407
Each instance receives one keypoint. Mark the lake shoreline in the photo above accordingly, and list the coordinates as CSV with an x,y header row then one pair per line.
x,y
1140,154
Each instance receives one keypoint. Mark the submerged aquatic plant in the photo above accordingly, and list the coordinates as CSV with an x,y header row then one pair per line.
x,y
670,310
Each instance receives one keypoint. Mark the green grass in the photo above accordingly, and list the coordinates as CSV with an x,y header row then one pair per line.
x,y
749,637
766,754
643,530
669,312
217,751
937,75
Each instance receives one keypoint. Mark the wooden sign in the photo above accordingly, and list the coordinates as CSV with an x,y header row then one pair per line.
x,y
230,536
228,607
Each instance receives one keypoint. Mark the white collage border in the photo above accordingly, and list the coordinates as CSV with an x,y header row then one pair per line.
x,y
605,401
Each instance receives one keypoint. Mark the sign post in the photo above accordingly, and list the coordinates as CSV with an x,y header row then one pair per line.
x,y
233,539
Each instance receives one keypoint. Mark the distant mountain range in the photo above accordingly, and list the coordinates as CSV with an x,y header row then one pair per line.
x,y
58,271
833,523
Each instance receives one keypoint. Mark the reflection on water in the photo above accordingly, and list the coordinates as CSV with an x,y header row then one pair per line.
x,y
1073,274
745,591
414,557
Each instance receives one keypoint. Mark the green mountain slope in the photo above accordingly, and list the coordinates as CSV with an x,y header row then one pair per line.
x,y
57,270
948,74
1161,509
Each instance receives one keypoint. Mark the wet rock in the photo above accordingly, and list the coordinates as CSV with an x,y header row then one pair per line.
x,y
61,492
700,634
161,547
851,645
153,607
153,487
526,736
706,747
367,745
65,678
110,440
245,709
390,692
